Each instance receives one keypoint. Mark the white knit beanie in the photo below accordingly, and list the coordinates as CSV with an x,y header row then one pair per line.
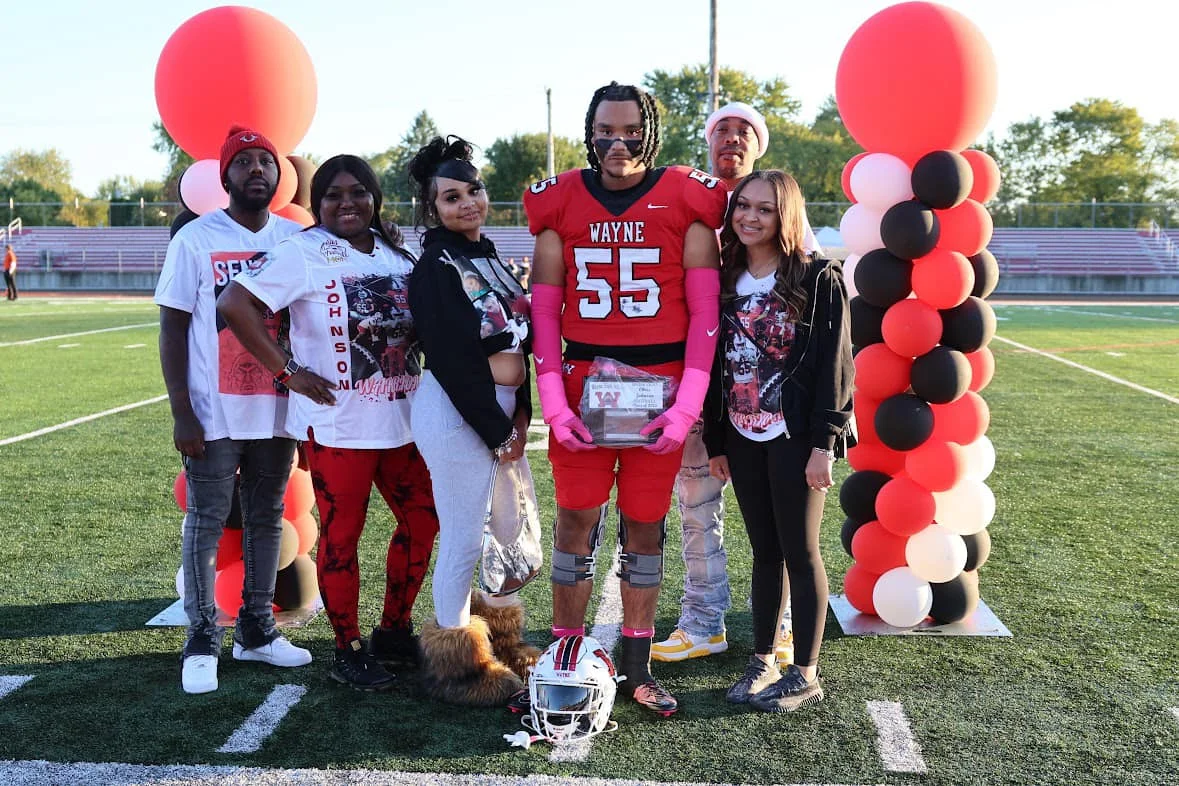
x,y
746,113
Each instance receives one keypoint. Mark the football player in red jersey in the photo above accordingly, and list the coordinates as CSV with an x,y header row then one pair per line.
x,y
625,268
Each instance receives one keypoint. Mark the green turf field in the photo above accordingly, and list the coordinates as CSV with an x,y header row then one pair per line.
x,y
1083,572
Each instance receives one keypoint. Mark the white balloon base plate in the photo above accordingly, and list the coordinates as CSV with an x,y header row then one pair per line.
x,y
982,622
295,618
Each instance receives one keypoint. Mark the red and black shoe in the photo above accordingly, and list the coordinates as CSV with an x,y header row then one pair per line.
x,y
520,702
655,697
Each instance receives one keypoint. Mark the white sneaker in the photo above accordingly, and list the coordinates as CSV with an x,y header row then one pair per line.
x,y
279,652
681,645
199,674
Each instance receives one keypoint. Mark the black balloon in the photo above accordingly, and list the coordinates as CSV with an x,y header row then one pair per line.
x,y
882,278
986,273
978,549
969,326
850,527
857,495
182,218
865,322
956,599
909,230
296,586
942,179
903,421
940,376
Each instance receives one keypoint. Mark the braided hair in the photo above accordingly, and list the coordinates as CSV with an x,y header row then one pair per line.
x,y
648,110
424,166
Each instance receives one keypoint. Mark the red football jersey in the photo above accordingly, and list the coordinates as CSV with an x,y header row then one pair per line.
x,y
624,250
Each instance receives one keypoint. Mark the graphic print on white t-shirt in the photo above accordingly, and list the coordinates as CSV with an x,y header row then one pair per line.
x,y
383,364
239,372
755,357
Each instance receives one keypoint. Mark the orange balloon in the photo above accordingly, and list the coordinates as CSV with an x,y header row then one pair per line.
x,y
298,214
308,531
180,491
288,183
982,368
233,65
300,495
228,588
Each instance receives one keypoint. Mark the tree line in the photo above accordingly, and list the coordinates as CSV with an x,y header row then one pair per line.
x,y
1094,151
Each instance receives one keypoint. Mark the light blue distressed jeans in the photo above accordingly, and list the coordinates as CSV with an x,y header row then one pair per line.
x,y
265,466
706,580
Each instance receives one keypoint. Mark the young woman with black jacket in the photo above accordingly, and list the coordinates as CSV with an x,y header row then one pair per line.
x,y
472,409
780,398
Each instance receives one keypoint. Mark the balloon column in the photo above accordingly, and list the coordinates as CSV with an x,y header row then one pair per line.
x,y
915,85
295,585
268,84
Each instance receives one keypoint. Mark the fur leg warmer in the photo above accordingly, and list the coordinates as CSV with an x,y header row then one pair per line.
x,y
459,666
506,625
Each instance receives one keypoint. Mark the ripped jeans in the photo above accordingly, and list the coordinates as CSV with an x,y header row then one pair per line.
x,y
706,580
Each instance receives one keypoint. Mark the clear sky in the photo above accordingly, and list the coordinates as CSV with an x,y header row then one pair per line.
x,y
79,76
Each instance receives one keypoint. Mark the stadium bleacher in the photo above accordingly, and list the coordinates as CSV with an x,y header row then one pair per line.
x,y
1026,251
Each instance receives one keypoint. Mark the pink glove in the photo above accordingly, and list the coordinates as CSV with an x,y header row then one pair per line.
x,y
679,418
567,428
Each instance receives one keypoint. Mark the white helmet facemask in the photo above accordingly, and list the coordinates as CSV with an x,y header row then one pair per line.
x,y
571,691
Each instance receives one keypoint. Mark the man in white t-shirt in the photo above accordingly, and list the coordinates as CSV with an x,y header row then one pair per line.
x,y
737,137
228,413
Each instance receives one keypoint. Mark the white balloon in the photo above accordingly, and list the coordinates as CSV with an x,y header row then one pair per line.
x,y
881,180
180,582
200,187
849,274
936,554
902,598
967,508
980,458
860,228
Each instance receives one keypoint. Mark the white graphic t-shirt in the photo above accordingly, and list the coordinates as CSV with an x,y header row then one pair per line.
x,y
350,323
233,395
756,346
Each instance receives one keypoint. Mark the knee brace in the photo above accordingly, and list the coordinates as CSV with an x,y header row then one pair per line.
x,y
569,569
641,571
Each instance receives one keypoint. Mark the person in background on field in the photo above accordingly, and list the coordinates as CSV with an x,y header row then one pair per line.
x,y
352,367
10,272
780,396
737,137
228,413
471,412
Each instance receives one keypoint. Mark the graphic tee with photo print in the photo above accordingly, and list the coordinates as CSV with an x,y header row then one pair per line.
x,y
756,376
350,324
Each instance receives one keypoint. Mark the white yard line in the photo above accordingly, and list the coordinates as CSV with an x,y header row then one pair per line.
x,y
1112,316
68,346
43,773
73,335
1095,372
898,748
50,429
11,683
262,722
607,628
134,346
1175,712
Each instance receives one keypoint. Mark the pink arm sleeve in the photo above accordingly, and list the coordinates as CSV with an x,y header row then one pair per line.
x,y
702,293
547,300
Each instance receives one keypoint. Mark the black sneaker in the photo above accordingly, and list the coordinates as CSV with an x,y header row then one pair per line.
x,y
394,646
758,676
790,693
355,667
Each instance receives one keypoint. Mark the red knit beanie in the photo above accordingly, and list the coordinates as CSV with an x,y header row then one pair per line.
x,y
241,138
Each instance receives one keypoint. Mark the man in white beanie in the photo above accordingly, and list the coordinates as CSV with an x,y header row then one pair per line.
x,y
737,136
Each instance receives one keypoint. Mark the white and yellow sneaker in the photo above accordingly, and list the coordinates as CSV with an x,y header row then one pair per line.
x,y
681,646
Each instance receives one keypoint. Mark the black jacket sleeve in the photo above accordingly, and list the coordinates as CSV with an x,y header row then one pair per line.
x,y
714,407
449,330
834,371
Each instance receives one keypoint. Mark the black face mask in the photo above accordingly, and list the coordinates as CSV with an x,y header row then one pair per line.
x,y
602,146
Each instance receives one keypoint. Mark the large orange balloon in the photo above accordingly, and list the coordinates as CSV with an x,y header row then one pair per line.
x,y
234,65
916,77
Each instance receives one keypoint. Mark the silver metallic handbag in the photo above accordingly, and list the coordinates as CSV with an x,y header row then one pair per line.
x,y
512,554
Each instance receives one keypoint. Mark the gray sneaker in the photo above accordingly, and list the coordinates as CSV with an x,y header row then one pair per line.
x,y
788,694
758,676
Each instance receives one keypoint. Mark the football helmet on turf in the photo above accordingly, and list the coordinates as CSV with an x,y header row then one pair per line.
x,y
572,690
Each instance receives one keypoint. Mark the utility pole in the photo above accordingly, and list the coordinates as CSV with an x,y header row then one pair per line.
x,y
713,69
548,98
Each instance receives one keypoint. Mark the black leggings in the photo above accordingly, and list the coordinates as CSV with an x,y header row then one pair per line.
x,y
782,516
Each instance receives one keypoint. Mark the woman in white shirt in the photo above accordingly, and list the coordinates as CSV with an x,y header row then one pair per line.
x,y
354,365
